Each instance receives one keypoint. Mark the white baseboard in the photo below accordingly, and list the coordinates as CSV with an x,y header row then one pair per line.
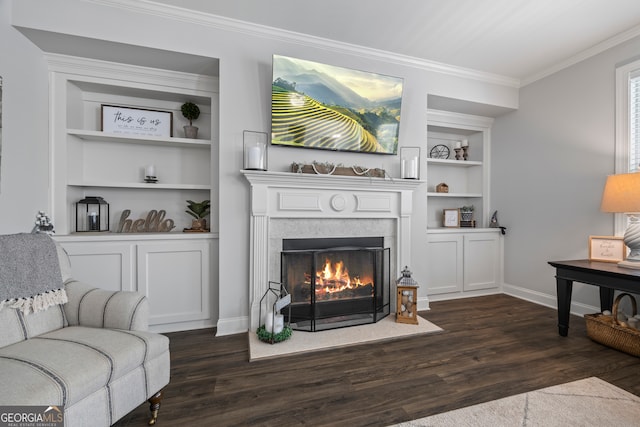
x,y
547,300
232,325
182,326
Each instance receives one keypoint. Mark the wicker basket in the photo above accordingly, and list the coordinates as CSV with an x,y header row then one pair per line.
x,y
608,330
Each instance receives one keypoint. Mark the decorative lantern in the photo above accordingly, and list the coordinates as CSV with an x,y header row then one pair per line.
x,y
407,304
410,162
92,214
272,328
255,150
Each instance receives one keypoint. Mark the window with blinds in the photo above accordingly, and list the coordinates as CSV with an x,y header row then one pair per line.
x,y
634,121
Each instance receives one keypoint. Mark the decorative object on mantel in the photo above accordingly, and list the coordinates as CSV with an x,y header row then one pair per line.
x,y
465,149
198,211
272,327
150,174
439,151
92,214
410,162
333,169
407,303
43,224
255,150
442,188
153,223
616,329
191,112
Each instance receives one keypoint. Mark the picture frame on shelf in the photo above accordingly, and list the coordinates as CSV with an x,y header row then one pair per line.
x,y
607,249
451,218
136,121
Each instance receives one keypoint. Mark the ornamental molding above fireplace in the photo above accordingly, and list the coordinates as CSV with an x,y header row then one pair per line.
x,y
281,195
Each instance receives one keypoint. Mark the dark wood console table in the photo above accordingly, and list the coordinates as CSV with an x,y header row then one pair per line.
x,y
608,276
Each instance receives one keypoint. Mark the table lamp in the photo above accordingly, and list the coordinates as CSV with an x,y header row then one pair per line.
x,y
622,195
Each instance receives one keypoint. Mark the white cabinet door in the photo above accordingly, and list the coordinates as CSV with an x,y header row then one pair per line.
x,y
481,261
445,262
108,266
175,276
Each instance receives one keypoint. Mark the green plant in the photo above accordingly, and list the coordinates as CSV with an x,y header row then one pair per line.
x,y
198,210
190,111
467,208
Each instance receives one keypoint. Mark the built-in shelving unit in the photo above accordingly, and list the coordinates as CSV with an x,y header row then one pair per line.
x,y
89,162
467,180
461,261
85,161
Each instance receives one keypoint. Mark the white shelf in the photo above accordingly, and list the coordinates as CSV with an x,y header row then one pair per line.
x,y
93,135
141,185
466,195
453,162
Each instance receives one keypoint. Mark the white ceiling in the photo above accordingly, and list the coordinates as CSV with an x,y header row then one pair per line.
x,y
521,39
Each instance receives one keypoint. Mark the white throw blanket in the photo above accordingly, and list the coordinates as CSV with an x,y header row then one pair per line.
x,y
30,278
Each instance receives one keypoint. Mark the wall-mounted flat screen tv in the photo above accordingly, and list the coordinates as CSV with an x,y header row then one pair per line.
x,y
321,106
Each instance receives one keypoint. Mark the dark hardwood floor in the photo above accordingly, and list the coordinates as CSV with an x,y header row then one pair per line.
x,y
491,347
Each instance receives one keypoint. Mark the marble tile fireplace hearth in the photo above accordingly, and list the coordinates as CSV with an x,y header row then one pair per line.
x,y
296,206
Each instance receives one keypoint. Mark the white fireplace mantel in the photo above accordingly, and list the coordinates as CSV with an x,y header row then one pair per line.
x,y
278,195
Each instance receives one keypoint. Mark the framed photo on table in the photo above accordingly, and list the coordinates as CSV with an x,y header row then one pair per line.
x,y
607,249
451,218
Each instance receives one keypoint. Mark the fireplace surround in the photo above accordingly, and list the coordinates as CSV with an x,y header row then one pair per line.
x,y
289,205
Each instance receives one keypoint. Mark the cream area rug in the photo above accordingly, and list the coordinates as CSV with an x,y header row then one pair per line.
x,y
301,341
584,403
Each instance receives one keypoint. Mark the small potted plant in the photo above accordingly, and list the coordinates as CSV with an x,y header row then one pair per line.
x,y
466,213
198,211
191,112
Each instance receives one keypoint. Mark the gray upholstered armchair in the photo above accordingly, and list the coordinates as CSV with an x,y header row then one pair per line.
x,y
93,355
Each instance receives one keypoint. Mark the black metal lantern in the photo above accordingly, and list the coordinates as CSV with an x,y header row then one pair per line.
x,y
92,214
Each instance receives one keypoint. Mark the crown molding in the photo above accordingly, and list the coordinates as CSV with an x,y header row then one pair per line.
x,y
132,73
228,24
585,54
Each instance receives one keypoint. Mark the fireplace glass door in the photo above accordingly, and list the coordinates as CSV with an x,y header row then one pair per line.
x,y
333,287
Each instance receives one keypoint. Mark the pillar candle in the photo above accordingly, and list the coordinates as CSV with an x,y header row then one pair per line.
x,y
254,158
268,321
279,324
150,170
458,144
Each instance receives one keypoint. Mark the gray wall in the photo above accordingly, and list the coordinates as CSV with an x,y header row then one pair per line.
x,y
245,78
550,160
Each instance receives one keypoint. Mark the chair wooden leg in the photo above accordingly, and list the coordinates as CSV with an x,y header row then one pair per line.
x,y
154,406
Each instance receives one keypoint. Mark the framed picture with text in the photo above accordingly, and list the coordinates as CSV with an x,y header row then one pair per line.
x,y
136,121
607,249
451,217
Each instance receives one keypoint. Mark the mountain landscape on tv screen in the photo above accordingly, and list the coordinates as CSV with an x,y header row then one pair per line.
x,y
318,109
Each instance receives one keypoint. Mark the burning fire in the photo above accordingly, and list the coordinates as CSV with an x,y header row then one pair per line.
x,y
334,278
